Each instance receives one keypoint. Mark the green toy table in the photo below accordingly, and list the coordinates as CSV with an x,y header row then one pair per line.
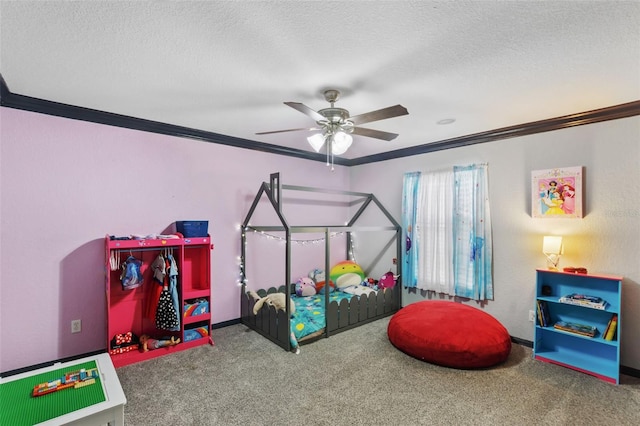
x,y
98,403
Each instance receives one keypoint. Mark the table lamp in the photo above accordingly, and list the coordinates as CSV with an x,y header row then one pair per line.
x,y
552,248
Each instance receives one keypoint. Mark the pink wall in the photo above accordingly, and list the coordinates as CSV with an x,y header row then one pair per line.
x,y
66,183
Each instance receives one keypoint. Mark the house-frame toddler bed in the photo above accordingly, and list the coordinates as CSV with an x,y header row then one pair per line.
x,y
341,311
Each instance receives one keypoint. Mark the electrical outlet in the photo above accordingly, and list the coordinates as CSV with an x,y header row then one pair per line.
x,y
532,316
76,326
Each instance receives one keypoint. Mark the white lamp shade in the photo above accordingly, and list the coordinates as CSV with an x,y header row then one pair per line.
x,y
552,245
341,143
316,141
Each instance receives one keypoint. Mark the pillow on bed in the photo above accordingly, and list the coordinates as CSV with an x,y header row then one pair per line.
x,y
358,290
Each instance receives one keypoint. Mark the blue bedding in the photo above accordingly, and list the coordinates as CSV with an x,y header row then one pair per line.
x,y
309,317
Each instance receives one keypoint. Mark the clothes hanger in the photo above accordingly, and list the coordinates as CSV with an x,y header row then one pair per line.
x,y
113,262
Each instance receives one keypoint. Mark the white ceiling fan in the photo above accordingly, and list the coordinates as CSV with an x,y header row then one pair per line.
x,y
335,126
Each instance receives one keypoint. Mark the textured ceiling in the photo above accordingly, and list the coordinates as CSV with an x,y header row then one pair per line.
x,y
228,66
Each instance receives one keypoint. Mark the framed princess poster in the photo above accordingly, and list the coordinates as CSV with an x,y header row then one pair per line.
x,y
557,193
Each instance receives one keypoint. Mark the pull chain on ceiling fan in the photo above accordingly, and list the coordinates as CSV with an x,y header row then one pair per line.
x,y
335,125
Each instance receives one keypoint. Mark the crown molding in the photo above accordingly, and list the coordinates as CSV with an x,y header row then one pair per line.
x,y
27,103
615,112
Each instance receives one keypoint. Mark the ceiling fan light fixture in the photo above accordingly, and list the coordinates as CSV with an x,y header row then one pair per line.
x,y
341,143
316,141
335,125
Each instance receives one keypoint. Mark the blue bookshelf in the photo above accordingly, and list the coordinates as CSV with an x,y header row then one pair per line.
x,y
592,355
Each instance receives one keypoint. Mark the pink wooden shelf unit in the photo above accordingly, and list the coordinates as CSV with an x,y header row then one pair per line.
x,y
128,310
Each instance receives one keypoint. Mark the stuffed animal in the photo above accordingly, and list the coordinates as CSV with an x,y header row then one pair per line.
x,y
388,280
305,287
346,273
149,344
371,283
318,276
277,300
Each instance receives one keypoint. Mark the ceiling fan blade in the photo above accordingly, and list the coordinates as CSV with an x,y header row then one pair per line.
x,y
289,130
306,110
371,133
381,114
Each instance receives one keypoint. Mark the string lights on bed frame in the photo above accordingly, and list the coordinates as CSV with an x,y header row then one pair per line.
x,y
243,278
298,241
352,246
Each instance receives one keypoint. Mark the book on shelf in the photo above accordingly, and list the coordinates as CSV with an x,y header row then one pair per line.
x,y
610,332
539,312
543,313
584,300
572,327
607,328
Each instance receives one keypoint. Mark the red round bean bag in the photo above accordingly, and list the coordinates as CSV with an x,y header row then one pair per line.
x,y
449,334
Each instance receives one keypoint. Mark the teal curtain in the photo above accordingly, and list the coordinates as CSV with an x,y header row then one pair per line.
x,y
469,248
472,244
409,214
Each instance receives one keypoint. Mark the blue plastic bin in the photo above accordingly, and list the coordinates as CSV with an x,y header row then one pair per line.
x,y
193,228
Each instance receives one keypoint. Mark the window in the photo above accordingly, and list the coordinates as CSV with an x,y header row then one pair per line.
x,y
447,225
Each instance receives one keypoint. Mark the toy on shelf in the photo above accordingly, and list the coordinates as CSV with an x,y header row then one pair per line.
x,y
575,270
123,342
75,379
149,344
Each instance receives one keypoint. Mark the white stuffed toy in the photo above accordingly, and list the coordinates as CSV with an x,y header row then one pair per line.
x,y
277,300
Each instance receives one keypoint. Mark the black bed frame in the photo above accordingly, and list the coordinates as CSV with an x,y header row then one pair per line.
x,y
275,325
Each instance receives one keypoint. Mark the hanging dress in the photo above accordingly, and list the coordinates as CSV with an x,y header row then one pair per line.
x,y
167,318
173,288
153,292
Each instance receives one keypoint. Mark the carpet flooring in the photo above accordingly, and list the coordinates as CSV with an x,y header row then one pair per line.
x,y
358,378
